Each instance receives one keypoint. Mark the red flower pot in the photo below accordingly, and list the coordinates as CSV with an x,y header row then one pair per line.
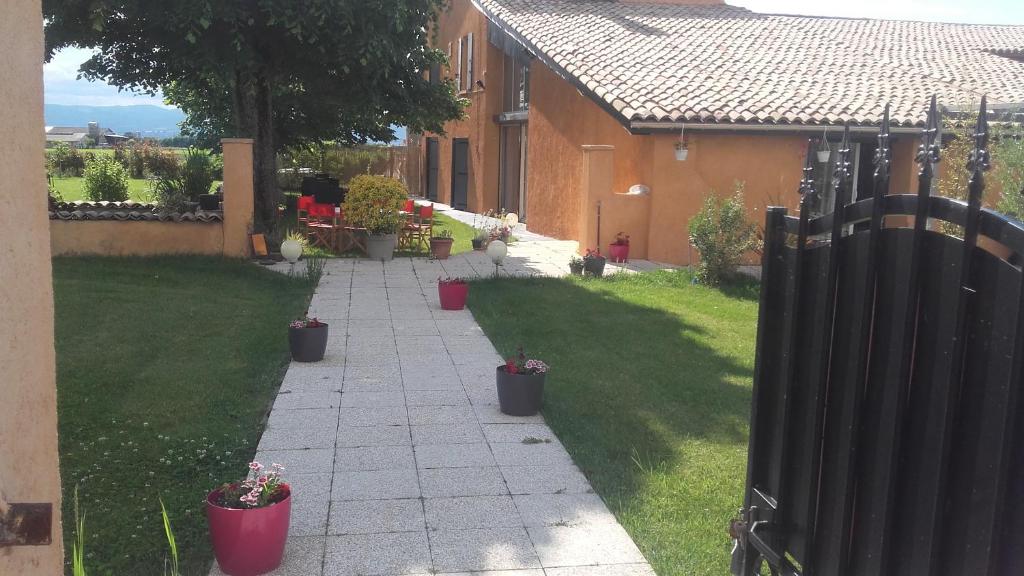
x,y
453,296
618,252
248,542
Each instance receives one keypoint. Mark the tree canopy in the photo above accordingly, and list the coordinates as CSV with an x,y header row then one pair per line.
x,y
281,72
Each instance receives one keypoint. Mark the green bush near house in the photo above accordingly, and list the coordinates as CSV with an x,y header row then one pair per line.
x,y
723,235
105,179
373,202
197,173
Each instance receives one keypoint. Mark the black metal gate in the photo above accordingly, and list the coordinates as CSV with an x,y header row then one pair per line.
x,y
886,434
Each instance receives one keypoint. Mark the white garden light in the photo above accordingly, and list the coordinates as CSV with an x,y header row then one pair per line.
x,y
496,251
291,250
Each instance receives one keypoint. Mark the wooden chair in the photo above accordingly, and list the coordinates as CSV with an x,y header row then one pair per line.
x,y
302,213
351,236
422,227
323,224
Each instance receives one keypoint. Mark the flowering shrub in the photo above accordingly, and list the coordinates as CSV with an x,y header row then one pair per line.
x,y
593,255
306,323
450,281
621,239
261,487
520,364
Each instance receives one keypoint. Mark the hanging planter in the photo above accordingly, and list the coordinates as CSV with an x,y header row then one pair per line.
x,y
682,150
249,521
824,153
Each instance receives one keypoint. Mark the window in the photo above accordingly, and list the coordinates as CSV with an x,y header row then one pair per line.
x,y
458,68
469,62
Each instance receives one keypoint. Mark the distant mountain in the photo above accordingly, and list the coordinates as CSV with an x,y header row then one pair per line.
x,y
146,120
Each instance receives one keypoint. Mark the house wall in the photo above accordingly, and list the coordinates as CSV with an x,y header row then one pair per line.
x,y
29,470
460,19
568,134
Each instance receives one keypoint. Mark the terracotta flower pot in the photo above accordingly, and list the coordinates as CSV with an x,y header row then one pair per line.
x,y
308,344
248,542
453,296
520,394
618,252
441,248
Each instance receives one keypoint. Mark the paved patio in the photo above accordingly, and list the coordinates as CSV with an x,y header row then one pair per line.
x,y
400,460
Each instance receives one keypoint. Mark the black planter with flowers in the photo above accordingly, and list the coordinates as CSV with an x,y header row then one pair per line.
x,y
593,263
521,385
307,339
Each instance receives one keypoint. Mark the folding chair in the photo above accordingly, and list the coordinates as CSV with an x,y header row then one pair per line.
x,y
323,225
422,227
302,212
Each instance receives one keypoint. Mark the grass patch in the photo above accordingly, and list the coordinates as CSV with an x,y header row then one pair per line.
x,y
72,189
650,392
166,368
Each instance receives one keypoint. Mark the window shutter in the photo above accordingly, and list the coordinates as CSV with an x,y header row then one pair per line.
x,y
458,68
469,61
449,59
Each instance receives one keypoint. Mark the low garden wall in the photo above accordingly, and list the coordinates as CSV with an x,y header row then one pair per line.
x,y
134,229
131,229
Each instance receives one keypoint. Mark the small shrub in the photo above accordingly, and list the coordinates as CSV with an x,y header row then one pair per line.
x,y
1008,169
722,234
374,202
105,179
63,160
160,162
169,194
197,173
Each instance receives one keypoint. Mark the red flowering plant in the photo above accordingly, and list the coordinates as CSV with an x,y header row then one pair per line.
x,y
450,281
306,323
621,239
593,255
261,487
520,364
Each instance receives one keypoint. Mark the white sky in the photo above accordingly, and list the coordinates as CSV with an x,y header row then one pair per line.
x,y
62,87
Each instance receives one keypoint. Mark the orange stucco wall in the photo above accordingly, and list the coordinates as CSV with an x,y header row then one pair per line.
x,y
113,238
229,238
460,19
568,132
28,401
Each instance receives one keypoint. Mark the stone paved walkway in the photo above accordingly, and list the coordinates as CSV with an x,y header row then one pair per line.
x,y
400,460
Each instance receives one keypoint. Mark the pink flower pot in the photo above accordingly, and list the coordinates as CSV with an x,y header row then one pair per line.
x,y
453,296
248,542
618,252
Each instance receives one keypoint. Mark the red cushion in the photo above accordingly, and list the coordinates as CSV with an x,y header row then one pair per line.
x,y
305,202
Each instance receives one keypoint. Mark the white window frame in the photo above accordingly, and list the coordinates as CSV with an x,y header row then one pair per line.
x,y
469,62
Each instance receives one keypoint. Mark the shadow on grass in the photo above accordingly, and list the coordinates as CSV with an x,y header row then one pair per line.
x,y
649,391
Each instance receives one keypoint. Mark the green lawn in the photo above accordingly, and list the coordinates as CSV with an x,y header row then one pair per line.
x,y
166,368
650,392
71,189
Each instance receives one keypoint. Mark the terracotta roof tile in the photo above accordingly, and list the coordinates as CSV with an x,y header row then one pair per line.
x,y
664,62
127,212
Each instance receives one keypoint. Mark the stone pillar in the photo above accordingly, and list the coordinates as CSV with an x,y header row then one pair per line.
x,y
238,197
620,211
29,471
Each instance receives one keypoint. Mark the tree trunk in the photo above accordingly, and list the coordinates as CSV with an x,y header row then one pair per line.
x,y
254,118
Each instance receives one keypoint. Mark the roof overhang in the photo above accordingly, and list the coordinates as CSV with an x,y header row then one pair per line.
x,y
639,127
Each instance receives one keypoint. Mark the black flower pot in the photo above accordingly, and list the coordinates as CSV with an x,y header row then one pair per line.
x,y
478,244
520,394
594,266
308,344
209,202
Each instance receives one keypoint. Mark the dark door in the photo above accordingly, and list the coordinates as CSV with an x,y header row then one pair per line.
x,y
433,161
460,173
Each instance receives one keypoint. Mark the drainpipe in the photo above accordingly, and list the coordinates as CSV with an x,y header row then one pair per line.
x,y
599,226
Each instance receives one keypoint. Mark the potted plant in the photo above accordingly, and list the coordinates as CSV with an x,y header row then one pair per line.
x,y
374,203
619,248
593,263
576,265
307,338
209,202
249,521
521,385
480,240
453,293
441,245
